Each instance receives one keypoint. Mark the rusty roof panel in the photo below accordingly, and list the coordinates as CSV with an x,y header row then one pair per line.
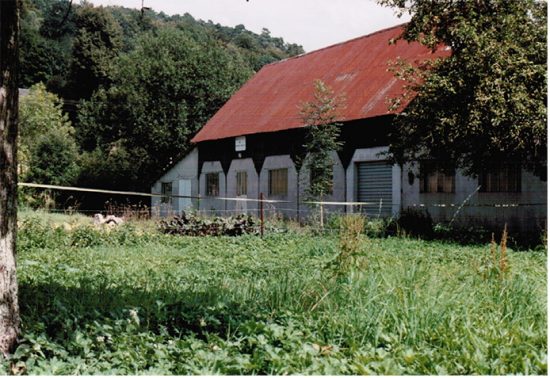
x,y
357,69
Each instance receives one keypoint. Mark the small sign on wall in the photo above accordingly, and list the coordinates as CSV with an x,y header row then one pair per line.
x,y
240,143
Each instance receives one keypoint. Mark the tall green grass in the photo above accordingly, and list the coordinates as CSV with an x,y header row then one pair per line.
x,y
125,302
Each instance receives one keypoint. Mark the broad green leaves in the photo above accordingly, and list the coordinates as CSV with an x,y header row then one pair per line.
x,y
487,101
130,301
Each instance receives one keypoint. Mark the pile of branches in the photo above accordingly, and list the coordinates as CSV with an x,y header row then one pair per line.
x,y
192,225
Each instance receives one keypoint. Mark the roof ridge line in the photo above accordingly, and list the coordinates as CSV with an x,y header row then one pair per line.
x,y
337,44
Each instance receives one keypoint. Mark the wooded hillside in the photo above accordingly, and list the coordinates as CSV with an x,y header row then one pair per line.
x,y
135,85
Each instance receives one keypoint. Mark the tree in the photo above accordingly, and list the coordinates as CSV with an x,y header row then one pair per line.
x,y
320,117
97,43
162,92
54,159
40,59
9,40
485,103
59,20
41,116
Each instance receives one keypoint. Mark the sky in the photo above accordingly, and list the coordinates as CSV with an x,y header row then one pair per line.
x,y
311,23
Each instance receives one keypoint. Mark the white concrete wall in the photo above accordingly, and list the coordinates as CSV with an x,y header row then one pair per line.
x,y
476,212
289,208
239,207
366,155
185,169
338,189
405,193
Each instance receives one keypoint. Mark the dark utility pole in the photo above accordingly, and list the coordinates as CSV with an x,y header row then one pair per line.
x,y
143,9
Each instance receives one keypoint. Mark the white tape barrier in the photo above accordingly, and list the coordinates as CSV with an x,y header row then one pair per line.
x,y
327,203
91,190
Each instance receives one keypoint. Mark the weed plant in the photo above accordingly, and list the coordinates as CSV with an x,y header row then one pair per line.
x,y
350,256
125,301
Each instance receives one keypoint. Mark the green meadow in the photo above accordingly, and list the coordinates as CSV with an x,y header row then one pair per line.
x,y
134,301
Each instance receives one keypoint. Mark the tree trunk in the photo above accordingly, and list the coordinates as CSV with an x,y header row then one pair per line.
x,y
9,308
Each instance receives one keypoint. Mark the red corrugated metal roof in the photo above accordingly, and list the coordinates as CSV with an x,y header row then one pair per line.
x,y
358,69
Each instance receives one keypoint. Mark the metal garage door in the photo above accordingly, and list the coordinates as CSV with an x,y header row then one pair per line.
x,y
374,184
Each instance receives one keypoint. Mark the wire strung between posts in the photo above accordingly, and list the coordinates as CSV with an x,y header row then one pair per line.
x,y
91,190
327,203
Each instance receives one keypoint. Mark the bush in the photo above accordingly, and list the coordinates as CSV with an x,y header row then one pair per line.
x,y
192,225
381,228
415,222
88,236
35,234
374,228
349,256
53,160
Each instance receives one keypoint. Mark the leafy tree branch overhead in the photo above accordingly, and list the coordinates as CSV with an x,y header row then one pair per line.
x,y
487,102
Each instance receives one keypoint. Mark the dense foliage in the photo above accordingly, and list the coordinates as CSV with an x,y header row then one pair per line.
x,y
62,40
47,150
136,86
97,42
131,302
160,94
485,104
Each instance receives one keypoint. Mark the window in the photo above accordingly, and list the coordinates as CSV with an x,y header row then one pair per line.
x,y
503,178
435,180
314,173
212,184
166,191
241,183
278,182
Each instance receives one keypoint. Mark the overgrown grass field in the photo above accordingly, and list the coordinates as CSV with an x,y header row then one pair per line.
x,y
130,301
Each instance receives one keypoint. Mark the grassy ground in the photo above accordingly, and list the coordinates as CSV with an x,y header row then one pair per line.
x,y
55,219
131,301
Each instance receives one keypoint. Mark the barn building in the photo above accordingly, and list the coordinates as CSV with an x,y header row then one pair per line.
x,y
253,143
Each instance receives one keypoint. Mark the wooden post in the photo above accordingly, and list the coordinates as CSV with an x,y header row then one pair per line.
x,y
262,215
322,217
199,204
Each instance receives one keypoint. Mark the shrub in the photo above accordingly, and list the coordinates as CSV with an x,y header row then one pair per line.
x,y
349,256
471,234
88,236
415,222
375,227
380,228
192,225
35,234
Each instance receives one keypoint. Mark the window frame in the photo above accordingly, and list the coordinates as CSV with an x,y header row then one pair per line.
x,y
502,178
241,183
212,189
430,172
166,193
441,186
277,174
